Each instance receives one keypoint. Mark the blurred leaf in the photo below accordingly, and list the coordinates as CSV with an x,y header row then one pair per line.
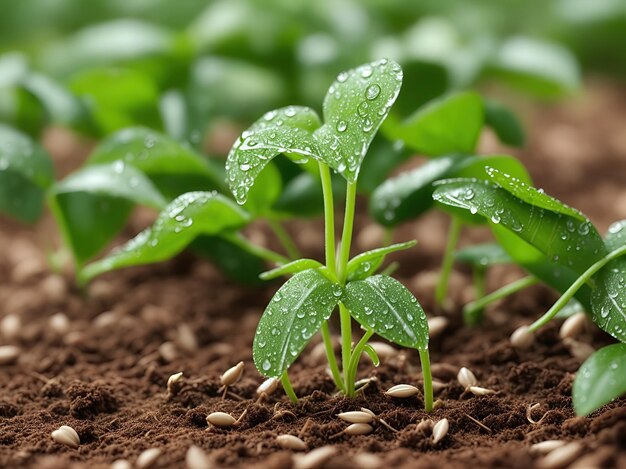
x,y
504,123
25,173
265,192
303,197
483,255
616,236
291,268
383,157
366,263
608,299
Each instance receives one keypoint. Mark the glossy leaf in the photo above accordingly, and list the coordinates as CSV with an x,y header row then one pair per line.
x,y
291,268
616,235
600,379
265,192
384,305
355,106
504,123
366,263
483,255
294,315
25,173
608,299
451,124
303,197
188,216
92,205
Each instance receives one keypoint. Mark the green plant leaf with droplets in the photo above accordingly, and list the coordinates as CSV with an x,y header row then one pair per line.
x,y
92,205
600,379
616,235
26,172
483,255
384,305
188,216
295,313
290,268
355,106
366,263
608,299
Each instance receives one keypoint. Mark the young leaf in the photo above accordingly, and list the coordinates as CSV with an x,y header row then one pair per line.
x,y
291,268
366,263
600,379
608,299
265,192
483,255
25,173
616,236
384,305
178,224
92,205
450,124
356,104
504,123
296,312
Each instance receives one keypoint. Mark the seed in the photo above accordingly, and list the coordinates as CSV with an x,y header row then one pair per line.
x,y
426,425
478,391
8,354
579,350
436,325
186,338
147,458
560,457
356,417
402,391
367,411
313,459
291,442
232,375
121,464
267,387
106,319
359,429
67,436
438,385
383,350
172,380
196,458
11,326
573,326
522,337
545,447
440,430
220,419
466,378
59,323
367,461
168,351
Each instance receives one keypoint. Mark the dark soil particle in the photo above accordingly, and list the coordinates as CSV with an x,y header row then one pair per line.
x,y
105,374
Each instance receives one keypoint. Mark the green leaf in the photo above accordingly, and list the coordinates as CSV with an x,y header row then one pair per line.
x,y
483,255
291,268
504,123
265,192
188,216
600,379
384,157
355,106
616,235
293,316
366,263
171,166
20,109
384,305
608,299
25,173
92,205
451,124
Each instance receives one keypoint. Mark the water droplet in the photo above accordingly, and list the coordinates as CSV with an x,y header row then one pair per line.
x,y
342,77
366,71
362,109
372,92
266,365
342,126
290,111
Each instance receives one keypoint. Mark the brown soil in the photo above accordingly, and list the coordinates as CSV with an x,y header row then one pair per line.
x,y
104,371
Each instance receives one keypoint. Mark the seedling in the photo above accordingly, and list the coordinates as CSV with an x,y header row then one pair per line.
x,y
355,106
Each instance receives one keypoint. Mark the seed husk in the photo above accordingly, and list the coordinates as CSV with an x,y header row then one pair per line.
x,y
573,326
438,385
315,458
196,458
440,430
436,325
121,464
359,429
267,387
478,391
522,338
10,326
232,375
220,419
9,354
466,378
560,457
147,458
59,323
291,442
168,351
186,338
66,435
356,417
402,391
172,380
545,447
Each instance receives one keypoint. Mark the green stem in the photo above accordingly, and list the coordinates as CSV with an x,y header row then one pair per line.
x,y
479,277
346,235
346,344
253,249
454,233
330,355
329,218
471,312
284,379
356,358
428,380
285,240
388,235
571,291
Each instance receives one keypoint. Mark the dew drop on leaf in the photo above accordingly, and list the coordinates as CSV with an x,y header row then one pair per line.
x,y
372,92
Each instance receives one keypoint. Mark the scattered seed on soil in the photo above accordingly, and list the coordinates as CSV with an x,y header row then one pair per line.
x,y
356,417
438,385
522,338
8,354
172,380
121,464
545,447
573,326
147,458
478,391
368,411
425,425
440,430
220,419
267,387
232,375
314,459
402,391
466,378
168,351
66,435
359,429
436,325
560,457
186,338
10,326
196,458
59,323
367,461
291,442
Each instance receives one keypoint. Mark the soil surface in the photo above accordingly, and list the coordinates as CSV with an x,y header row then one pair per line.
x,y
99,360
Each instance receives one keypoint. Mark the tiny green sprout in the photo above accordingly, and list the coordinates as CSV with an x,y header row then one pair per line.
x,y
354,108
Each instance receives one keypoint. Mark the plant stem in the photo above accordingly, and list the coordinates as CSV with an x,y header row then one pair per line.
x,y
354,360
388,236
479,275
428,380
284,379
346,344
454,233
287,241
258,251
571,291
472,311
346,235
330,355
329,218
